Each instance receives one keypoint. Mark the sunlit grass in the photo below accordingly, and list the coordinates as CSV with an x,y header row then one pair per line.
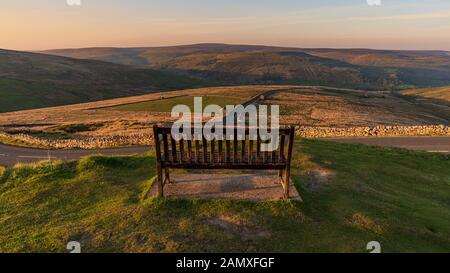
x,y
397,197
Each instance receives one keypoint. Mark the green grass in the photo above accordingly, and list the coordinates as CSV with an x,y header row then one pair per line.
x,y
16,142
166,105
397,197
19,95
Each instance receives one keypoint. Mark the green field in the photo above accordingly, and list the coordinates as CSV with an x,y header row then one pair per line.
x,y
19,95
166,105
397,197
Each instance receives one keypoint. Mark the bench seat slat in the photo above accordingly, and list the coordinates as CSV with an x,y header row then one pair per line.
x,y
182,154
227,151
173,147
197,150
244,166
189,143
220,150
250,151
204,149
216,160
212,151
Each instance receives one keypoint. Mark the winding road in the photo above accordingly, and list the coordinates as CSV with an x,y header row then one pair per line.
x,y
10,155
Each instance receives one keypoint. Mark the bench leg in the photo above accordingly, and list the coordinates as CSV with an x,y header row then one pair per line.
x,y
279,178
160,182
167,176
287,183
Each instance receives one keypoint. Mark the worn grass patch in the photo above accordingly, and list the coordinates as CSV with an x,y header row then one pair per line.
x,y
397,197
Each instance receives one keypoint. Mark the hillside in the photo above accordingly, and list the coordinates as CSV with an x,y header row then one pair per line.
x,y
150,55
30,80
354,68
274,68
439,60
393,196
439,93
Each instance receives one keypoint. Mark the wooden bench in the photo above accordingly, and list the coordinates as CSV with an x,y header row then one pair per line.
x,y
222,154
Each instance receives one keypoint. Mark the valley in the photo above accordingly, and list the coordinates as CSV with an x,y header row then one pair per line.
x,y
247,64
108,97
319,111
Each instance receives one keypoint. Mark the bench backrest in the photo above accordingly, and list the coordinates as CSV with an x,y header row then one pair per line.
x,y
202,152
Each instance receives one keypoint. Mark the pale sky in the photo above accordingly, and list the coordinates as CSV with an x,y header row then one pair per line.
x,y
395,24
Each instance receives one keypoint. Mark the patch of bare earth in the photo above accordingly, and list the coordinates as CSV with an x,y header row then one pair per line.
x,y
251,186
318,178
237,226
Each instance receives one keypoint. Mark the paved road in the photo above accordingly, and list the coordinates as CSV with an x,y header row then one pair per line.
x,y
10,155
430,144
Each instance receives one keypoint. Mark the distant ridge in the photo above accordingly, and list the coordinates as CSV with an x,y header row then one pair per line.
x,y
259,64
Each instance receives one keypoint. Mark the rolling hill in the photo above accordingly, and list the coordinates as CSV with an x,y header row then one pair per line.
x,y
438,93
246,64
31,80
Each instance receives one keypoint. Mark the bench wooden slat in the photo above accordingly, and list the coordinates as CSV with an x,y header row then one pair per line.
x,y
258,150
189,144
250,151
168,130
228,151
182,155
204,149
281,151
212,151
235,149
166,147
243,143
220,148
197,150
174,149
223,163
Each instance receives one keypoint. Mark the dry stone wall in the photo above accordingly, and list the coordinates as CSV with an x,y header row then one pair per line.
x,y
146,139
380,131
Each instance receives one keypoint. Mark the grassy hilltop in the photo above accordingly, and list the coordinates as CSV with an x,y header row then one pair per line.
x,y
397,197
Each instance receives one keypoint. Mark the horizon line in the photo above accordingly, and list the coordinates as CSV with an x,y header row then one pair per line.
x,y
223,44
